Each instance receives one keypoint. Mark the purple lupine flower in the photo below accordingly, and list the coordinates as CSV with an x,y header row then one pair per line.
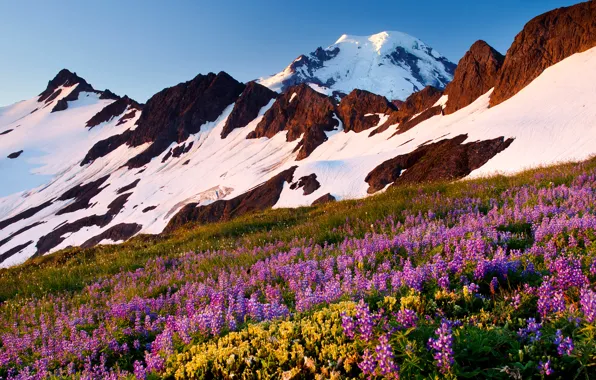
x,y
406,318
365,321
443,347
588,304
564,344
385,359
368,363
545,368
531,331
348,325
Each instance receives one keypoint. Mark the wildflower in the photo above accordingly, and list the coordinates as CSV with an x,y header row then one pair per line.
x,y
545,368
588,304
368,364
443,347
531,331
564,344
406,318
385,358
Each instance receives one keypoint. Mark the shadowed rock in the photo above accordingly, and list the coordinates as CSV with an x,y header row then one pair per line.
x,y
173,114
309,184
327,198
82,195
260,198
247,107
545,41
415,104
301,111
444,160
25,214
57,236
113,110
119,232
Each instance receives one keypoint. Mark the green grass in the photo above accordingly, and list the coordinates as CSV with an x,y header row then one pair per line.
x,y
71,269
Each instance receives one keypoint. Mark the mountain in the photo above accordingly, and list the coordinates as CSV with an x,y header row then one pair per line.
x,y
87,167
391,64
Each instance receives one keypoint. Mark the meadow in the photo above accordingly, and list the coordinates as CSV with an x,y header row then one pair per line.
x,y
486,278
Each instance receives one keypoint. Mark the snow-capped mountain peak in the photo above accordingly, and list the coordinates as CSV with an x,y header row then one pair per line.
x,y
392,64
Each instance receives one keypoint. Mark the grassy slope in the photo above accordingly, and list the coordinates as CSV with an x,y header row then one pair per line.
x,y
71,269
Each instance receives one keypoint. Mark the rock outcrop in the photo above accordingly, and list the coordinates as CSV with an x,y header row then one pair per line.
x,y
116,233
444,160
113,110
545,40
476,73
247,107
260,198
415,105
301,111
308,184
57,236
173,114
358,110
327,198
66,78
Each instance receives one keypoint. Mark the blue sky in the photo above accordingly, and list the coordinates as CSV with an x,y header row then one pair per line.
x,y
139,47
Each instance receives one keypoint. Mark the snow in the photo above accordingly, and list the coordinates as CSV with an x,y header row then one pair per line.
x,y
363,62
552,120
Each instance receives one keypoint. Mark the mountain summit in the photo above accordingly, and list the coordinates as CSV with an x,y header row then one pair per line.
x,y
392,64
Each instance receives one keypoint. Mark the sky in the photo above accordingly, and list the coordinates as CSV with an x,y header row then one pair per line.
x,y
137,48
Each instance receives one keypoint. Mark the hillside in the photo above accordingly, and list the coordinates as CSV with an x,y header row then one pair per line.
x,y
472,263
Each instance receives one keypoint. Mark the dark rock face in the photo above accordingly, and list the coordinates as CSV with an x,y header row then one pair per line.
x,y
104,147
327,198
175,113
13,251
247,107
147,209
353,108
309,184
54,238
416,103
113,110
64,78
122,231
128,187
172,115
260,198
128,116
444,160
16,233
544,41
476,73
411,123
82,195
25,214
182,149
67,78
14,155
307,113
6,132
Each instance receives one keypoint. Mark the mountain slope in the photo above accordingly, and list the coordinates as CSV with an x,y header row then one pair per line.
x,y
391,64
